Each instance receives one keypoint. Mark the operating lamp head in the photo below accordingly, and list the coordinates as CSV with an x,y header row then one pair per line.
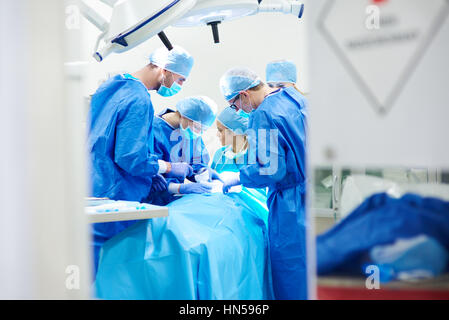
x,y
135,21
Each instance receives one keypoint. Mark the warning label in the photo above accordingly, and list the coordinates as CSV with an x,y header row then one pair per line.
x,y
381,42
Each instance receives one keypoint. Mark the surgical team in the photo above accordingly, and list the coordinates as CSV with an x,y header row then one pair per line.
x,y
139,156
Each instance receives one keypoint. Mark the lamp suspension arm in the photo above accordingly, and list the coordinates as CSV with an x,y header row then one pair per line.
x,y
288,7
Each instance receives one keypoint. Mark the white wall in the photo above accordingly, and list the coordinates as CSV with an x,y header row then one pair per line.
x,y
251,41
15,273
43,229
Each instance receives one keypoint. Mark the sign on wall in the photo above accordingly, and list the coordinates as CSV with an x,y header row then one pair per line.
x,y
379,73
361,41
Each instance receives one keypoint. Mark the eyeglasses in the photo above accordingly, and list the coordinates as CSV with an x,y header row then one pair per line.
x,y
233,106
276,85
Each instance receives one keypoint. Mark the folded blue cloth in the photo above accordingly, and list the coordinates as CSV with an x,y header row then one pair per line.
x,y
380,220
420,257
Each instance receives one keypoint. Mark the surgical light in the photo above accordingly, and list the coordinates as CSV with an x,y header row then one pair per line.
x,y
135,21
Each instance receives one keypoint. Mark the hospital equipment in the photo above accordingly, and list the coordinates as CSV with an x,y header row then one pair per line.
x,y
111,210
358,187
135,21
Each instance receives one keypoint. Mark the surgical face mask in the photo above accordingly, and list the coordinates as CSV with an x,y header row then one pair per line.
x,y
168,92
243,113
250,106
189,133
246,114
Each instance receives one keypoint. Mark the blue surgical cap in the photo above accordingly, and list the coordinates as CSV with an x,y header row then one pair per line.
x,y
233,121
281,71
236,80
177,60
200,109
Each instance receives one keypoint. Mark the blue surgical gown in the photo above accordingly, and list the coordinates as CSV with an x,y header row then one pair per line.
x,y
170,145
120,143
221,162
277,129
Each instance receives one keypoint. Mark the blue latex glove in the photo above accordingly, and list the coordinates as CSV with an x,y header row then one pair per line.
x,y
214,175
211,174
230,182
188,188
179,170
158,183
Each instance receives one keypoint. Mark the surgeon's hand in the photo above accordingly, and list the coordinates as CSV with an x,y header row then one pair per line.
x,y
158,183
214,175
188,188
179,170
231,181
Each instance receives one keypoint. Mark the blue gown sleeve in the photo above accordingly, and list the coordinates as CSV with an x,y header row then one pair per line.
x,y
266,156
217,158
132,140
201,156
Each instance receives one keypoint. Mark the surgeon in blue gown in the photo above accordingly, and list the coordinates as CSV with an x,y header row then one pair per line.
x,y
178,138
122,159
211,246
277,141
231,130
